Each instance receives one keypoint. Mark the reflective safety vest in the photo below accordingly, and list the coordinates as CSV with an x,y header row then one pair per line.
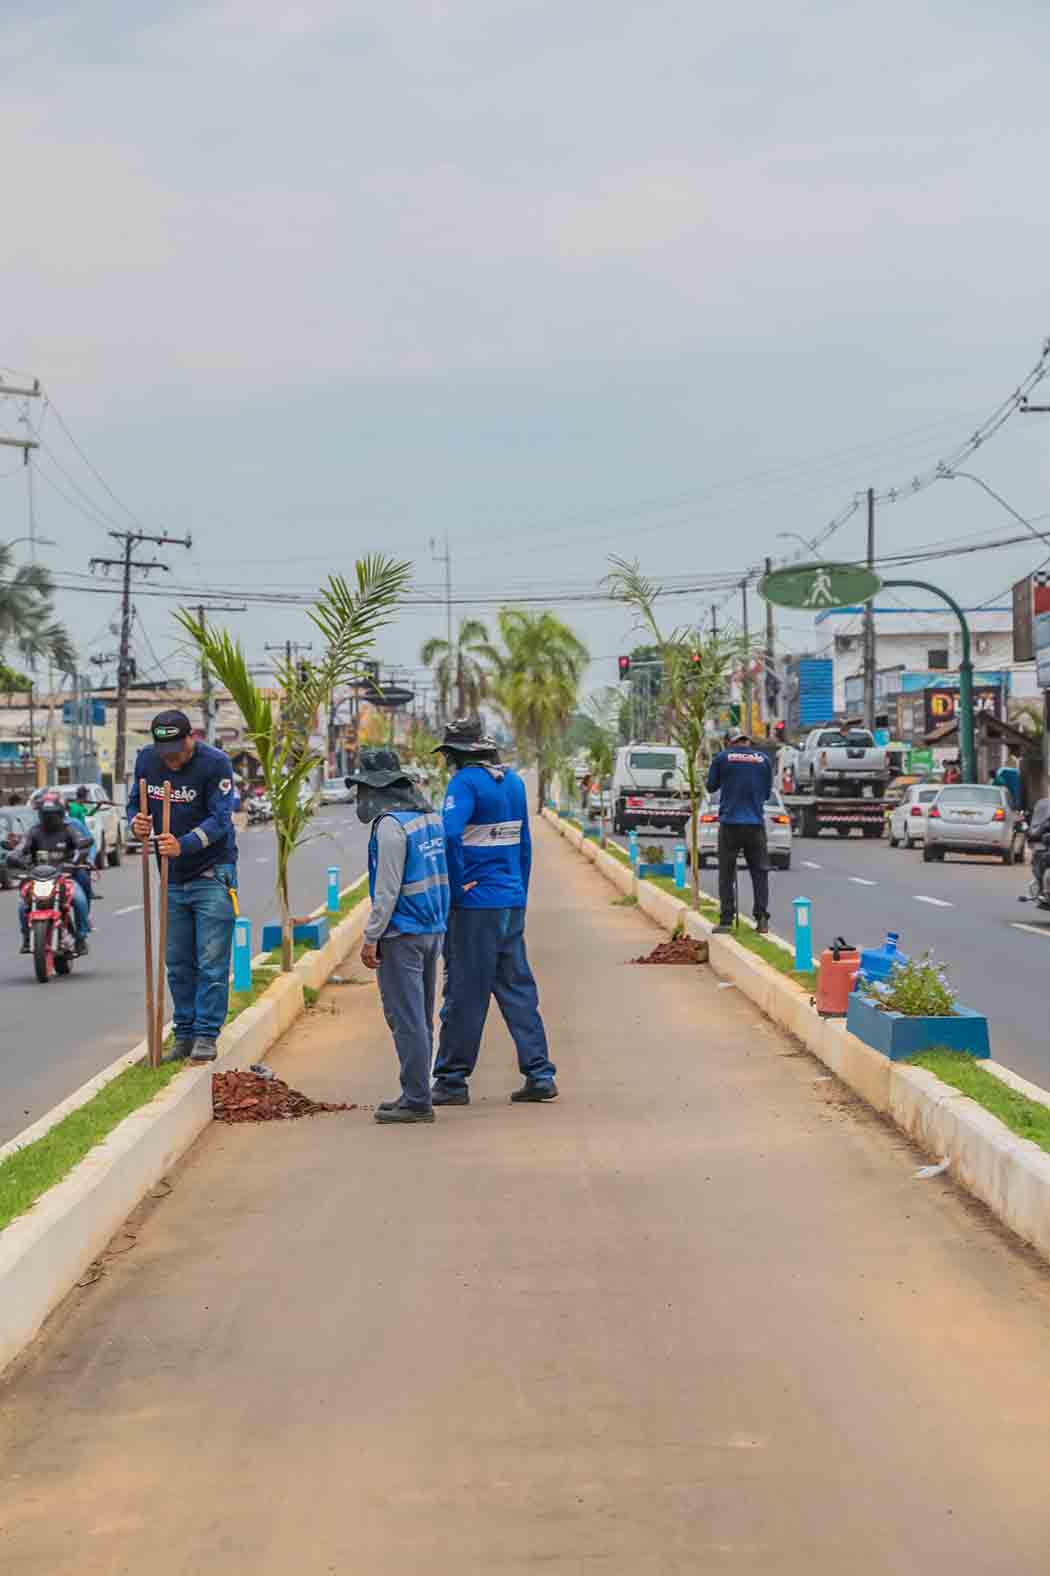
x,y
423,902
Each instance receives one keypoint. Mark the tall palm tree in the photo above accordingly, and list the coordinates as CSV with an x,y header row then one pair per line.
x,y
27,617
465,668
539,678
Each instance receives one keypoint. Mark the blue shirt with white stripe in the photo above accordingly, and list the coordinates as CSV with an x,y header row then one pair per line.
x,y
201,807
487,839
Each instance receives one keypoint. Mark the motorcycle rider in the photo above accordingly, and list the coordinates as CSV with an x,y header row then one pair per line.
x,y
1038,833
62,841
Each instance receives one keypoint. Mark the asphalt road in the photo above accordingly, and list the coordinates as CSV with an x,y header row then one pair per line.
x,y
55,1037
965,911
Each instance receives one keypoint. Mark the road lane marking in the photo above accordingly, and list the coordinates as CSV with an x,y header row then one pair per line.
x,y
862,881
132,908
938,902
1033,930
811,865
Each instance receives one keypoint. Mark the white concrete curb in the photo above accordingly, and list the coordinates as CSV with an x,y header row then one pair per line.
x,y
1009,1174
44,1252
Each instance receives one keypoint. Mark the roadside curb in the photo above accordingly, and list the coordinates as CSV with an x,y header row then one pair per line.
x,y
1011,1175
44,1252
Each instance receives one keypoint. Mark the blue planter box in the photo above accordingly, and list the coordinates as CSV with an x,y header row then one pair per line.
x,y
664,868
898,1037
314,933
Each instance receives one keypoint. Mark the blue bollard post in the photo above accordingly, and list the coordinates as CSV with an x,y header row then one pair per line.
x,y
242,954
803,934
333,889
679,865
632,848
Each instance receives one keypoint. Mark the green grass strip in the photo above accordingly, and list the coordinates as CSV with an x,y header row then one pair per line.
x,y
1027,1118
37,1167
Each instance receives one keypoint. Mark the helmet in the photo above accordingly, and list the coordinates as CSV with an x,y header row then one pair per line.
x,y
51,812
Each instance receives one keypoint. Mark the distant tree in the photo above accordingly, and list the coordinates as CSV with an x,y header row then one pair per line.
x,y
13,682
540,669
465,670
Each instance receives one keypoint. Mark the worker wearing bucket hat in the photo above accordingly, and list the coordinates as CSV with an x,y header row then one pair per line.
x,y
489,861
408,885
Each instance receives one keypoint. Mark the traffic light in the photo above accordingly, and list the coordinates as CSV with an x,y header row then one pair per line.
x,y
625,667
778,732
697,658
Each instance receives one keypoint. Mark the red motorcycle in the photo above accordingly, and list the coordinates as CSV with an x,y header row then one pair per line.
x,y
47,893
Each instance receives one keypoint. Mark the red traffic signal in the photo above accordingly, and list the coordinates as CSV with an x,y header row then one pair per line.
x,y
778,732
625,667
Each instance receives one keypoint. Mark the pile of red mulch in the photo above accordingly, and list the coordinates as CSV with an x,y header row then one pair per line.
x,y
682,949
245,1097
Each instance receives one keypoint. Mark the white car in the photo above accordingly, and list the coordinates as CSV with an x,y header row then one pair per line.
x,y
335,791
104,821
908,820
778,832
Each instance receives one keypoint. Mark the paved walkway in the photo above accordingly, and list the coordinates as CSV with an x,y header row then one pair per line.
x,y
695,1317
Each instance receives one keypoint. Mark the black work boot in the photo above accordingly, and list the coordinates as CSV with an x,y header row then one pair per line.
x,y
179,1051
396,1112
443,1095
25,947
533,1093
762,924
724,927
203,1050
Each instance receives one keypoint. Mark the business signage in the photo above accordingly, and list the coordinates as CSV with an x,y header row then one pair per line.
x,y
1041,627
1024,611
942,703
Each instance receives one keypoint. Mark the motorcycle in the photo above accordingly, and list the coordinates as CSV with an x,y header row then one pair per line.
x,y
47,893
1039,842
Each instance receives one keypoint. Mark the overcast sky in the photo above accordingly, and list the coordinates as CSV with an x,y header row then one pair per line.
x,y
558,277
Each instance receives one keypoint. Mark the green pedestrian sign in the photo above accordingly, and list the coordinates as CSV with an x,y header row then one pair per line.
x,y
820,587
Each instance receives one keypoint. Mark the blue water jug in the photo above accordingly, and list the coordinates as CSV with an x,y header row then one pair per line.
x,y
876,963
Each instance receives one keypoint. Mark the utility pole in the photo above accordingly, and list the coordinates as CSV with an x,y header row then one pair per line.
x,y
209,706
746,709
126,563
869,624
772,686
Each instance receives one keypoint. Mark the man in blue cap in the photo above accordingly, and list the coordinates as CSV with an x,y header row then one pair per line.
x,y
408,885
489,850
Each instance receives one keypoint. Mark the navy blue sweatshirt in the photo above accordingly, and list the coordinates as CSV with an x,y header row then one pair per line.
x,y
201,807
743,778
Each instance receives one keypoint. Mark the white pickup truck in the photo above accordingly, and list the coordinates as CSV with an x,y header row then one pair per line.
x,y
844,761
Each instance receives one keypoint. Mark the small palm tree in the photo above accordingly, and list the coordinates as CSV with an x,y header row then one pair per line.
x,y
349,618
27,619
465,669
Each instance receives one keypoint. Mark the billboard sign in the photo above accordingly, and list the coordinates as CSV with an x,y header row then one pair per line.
x,y
942,702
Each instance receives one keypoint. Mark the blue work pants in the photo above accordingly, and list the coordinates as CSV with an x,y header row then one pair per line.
x,y
484,957
200,936
407,984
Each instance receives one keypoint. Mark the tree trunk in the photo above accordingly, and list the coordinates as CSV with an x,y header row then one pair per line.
x,y
287,956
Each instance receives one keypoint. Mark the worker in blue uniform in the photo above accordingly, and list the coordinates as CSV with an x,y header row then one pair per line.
x,y
489,854
201,848
742,776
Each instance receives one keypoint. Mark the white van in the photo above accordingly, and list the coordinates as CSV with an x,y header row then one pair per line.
x,y
649,788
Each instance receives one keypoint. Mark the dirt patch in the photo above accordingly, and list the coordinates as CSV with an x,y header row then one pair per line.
x,y
246,1097
681,949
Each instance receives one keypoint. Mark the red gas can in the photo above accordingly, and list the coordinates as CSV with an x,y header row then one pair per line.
x,y
836,974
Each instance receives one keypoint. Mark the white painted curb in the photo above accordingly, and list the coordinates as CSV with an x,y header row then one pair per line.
x,y
44,1252
1009,1174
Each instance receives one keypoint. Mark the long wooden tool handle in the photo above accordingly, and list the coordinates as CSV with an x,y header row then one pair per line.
x,y
162,921
147,920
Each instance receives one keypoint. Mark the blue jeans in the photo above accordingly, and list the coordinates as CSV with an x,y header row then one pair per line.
x,y
407,984
200,937
485,957
80,913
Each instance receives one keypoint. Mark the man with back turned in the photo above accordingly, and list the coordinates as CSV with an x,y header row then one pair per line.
x,y
742,776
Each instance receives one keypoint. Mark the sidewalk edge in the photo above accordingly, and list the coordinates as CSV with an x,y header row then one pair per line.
x,y
1011,1175
44,1252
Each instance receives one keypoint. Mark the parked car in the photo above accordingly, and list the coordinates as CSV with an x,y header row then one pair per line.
x,y
335,791
15,822
104,821
778,832
973,818
908,820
